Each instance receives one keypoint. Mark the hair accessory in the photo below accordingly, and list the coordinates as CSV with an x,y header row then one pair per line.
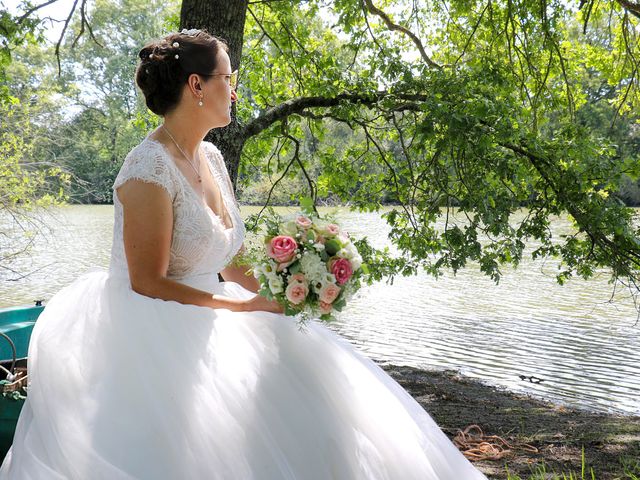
x,y
177,56
175,45
192,32
151,56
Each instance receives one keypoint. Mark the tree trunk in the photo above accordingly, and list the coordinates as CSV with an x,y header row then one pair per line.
x,y
224,19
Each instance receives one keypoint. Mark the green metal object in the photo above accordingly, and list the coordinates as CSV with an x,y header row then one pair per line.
x,y
17,324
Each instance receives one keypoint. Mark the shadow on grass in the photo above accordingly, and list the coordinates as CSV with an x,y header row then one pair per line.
x,y
611,443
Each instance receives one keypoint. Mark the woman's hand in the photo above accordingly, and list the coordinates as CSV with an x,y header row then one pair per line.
x,y
260,303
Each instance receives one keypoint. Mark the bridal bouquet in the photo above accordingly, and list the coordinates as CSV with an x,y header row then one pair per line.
x,y
309,265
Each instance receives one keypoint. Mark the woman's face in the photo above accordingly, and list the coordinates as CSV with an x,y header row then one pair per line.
x,y
217,95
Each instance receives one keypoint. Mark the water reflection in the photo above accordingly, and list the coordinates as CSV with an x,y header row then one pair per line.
x,y
585,350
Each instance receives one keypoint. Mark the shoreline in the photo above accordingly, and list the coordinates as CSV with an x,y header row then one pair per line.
x,y
557,432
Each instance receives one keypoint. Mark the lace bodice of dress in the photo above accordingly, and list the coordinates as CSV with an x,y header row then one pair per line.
x,y
201,243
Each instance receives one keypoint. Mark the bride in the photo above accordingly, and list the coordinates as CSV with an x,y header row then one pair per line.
x,y
155,370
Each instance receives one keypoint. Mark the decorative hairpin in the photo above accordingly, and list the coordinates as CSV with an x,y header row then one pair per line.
x,y
191,32
175,45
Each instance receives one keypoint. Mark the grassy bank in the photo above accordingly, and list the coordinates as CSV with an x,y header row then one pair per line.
x,y
568,444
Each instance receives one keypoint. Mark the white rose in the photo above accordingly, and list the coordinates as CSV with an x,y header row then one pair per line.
x,y
320,224
350,252
275,284
288,228
343,239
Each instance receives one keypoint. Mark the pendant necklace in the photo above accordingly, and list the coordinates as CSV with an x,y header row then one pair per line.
x,y
197,170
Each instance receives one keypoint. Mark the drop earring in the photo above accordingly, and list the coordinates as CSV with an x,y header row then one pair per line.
x,y
200,103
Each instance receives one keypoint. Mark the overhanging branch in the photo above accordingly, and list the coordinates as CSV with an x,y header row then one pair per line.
x,y
632,7
300,104
625,257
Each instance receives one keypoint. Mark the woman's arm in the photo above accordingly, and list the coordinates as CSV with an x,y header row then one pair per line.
x,y
240,273
148,224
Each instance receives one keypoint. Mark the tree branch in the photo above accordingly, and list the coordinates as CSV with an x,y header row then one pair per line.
x,y
621,257
473,32
298,105
399,28
296,156
64,30
632,7
33,9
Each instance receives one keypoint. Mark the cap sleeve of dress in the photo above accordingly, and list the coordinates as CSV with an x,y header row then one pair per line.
x,y
148,162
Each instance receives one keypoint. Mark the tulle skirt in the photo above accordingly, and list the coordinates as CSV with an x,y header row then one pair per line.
x,y
128,387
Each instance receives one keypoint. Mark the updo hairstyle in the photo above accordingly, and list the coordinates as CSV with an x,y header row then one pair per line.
x,y
165,66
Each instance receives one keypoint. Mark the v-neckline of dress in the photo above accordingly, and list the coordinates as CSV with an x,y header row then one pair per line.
x,y
189,187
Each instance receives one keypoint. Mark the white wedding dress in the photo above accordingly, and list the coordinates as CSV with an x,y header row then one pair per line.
x,y
126,387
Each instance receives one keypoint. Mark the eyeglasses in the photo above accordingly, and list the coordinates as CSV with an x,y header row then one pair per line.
x,y
233,77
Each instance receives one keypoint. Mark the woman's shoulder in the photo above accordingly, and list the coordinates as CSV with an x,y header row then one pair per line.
x,y
148,150
149,162
211,150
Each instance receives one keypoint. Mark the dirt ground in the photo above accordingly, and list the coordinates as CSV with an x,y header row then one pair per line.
x,y
559,434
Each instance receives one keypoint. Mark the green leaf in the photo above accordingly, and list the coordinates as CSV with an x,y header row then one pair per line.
x,y
306,204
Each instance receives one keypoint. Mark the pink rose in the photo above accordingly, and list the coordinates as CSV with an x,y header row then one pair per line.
x,y
332,229
341,269
325,307
282,248
296,292
329,293
297,278
304,222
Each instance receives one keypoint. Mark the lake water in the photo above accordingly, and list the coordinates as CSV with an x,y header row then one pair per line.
x,y
585,348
